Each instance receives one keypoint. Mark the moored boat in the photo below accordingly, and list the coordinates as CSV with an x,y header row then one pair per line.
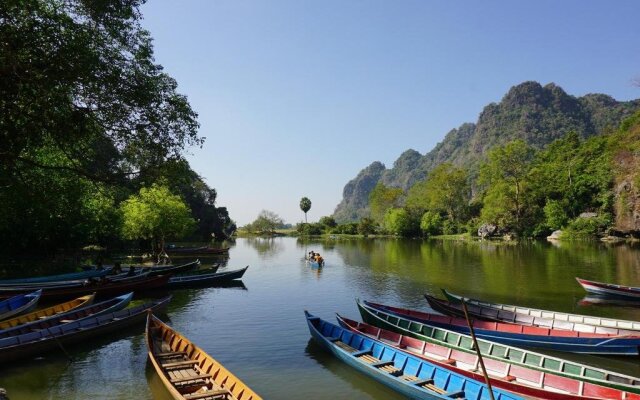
x,y
196,250
186,370
559,320
609,289
401,371
539,318
106,288
56,278
93,310
18,304
195,280
22,347
48,312
521,335
499,352
518,379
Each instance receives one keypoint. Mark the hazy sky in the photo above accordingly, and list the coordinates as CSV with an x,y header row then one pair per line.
x,y
296,97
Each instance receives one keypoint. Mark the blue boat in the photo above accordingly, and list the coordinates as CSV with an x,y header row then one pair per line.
x,y
524,336
409,375
19,304
78,314
73,276
199,280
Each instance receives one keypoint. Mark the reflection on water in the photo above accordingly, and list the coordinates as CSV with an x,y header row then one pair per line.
x,y
261,335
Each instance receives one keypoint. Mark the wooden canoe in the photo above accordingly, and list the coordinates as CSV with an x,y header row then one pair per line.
x,y
609,289
55,278
43,342
18,304
499,352
186,370
48,312
399,370
520,335
93,310
196,250
197,280
106,289
539,318
522,380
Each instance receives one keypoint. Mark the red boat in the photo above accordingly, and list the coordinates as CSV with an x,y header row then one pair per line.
x,y
514,378
101,288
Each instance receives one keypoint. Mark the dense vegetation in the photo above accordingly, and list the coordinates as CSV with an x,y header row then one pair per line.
x,y
88,119
577,185
530,112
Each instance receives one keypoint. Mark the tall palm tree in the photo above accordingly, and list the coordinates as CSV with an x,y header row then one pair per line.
x,y
305,205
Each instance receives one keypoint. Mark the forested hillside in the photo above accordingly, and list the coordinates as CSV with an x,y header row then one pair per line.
x,y
533,113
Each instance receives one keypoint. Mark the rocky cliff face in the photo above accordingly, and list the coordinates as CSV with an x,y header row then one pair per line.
x,y
529,111
626,164
355,195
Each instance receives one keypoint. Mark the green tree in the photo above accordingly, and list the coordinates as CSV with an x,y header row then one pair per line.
x,y
81,76
328,222
155,214
266,222
305,206
400,222
431,223
506,175
366,226
381,199
446,190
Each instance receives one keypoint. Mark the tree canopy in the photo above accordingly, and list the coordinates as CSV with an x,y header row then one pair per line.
x,y
383,198
157,214
305,206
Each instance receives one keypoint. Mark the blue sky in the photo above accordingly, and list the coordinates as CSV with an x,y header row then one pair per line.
x,y
296,97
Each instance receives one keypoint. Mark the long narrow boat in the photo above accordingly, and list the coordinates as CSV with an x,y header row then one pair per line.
x,y
527,336
401,371
186,370
48,312
197,250
609,289
518,357
550,319
108,288
19,304
56,278
68,335
93,310
522,380
195,280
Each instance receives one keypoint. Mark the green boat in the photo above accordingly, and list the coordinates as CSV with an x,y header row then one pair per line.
x,y
496,351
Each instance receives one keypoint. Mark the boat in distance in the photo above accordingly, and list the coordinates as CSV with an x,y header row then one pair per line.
x,y
523,380
18,304
48,312
499,352
196,280
560,320
93,310
23,347
609,289
187,371
401,371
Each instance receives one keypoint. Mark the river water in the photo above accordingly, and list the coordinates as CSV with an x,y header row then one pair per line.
x,y
259,332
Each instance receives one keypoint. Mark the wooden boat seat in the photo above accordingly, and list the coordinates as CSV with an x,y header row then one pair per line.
x,y
171,354
179,364
194,377
344,346
390,369
66,321
380,364
215,394
409,378
369,359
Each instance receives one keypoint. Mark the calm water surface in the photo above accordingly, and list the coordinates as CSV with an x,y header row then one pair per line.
x,y
259,332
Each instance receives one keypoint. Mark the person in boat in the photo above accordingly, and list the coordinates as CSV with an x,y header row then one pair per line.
x,y
312,256
318,258
132,271
117,269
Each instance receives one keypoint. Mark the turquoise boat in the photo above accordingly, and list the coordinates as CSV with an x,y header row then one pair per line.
x,y
73,276
406,374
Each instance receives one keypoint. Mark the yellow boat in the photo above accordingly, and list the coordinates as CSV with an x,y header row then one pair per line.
x,y
48,312
187,371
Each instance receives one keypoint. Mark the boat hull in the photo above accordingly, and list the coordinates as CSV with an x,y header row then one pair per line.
x,y
608,289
